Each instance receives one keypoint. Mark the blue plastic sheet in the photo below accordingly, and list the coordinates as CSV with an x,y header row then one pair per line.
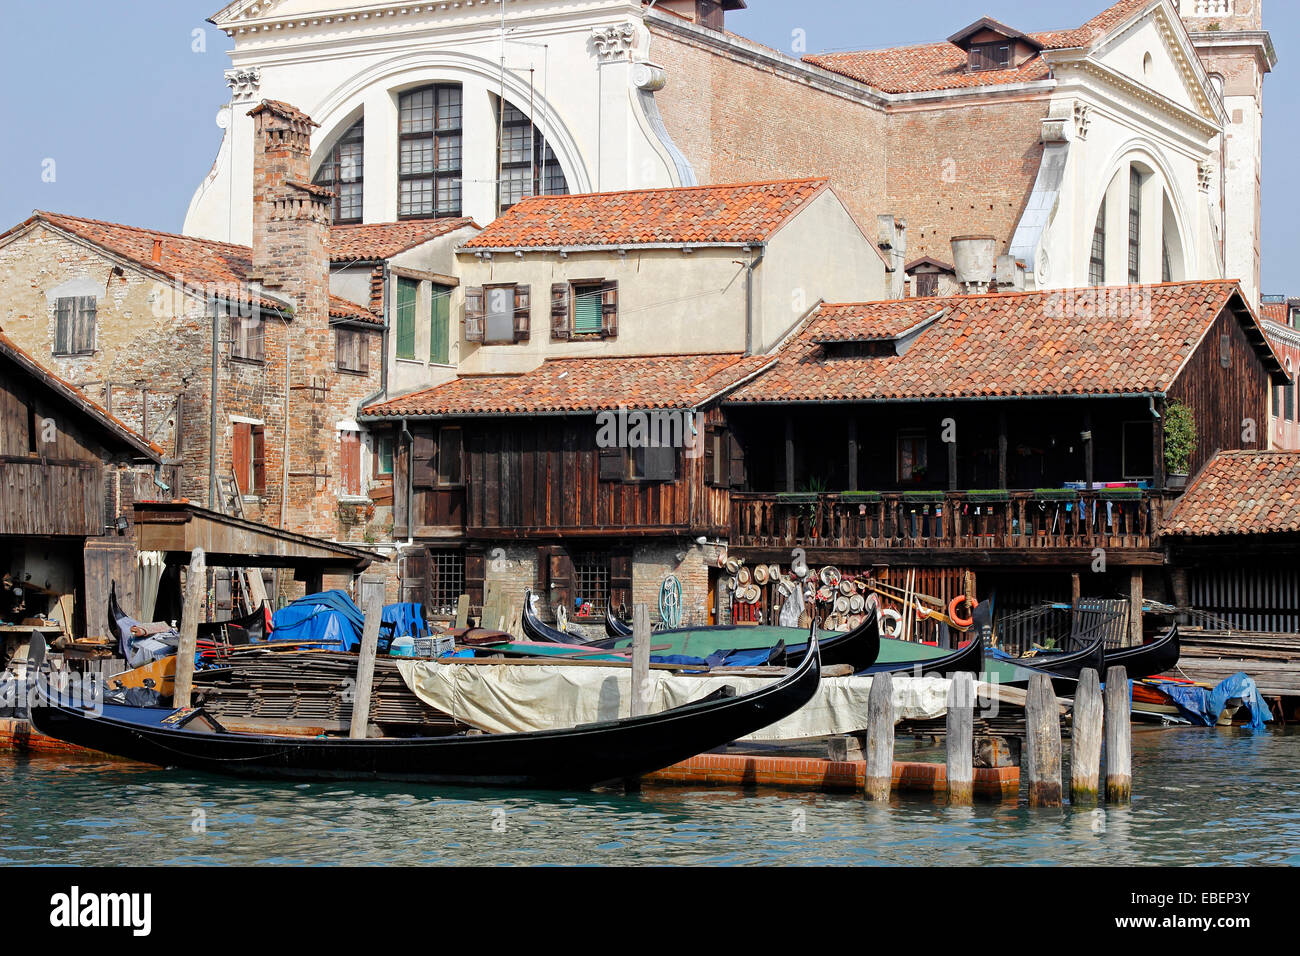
x,y
1204,706
407,620
329,620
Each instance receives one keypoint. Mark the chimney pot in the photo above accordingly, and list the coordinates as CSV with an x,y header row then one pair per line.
x,y
157,250
974,259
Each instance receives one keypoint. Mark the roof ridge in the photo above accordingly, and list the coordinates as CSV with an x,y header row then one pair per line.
x,y
676,189
156,233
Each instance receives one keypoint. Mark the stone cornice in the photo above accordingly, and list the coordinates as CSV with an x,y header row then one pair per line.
x,y
1260,41
1064,61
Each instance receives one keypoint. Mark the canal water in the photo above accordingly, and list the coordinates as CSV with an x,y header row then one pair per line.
x,y
1201,796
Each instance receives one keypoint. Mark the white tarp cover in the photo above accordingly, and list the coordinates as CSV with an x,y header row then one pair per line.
x,y
505,698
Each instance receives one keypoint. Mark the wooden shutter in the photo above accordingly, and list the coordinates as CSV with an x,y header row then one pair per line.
x,y
259,460
737,461
561,580
609,309
63,309
350,463
712,436
560,310
523,312
422,470
620,579
475,576
475,308
440,326
611,464
407,292
661,464
241,455
83,336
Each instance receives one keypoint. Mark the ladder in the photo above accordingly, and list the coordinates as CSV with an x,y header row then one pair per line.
x,y
231,503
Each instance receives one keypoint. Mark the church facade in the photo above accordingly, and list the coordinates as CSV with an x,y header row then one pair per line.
x,y
1108,153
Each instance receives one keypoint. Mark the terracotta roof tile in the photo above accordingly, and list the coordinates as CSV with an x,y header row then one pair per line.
x,y
384,240
584,384
1009,344
942,66
740,213
203,265
1241,492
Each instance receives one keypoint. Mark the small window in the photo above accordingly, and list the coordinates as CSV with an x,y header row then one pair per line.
x,y
248,458
440,325
352,350
990,56
446,581
724,463
591,580
75,334
1134,226
500,314
913,453
384,455
407,294
350,464
587,309
247,338
584,307
450,458
927,284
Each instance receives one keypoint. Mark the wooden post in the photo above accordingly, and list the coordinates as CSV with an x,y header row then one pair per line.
x,y
640,661
952,464
1182,595
1076,589
961,740
462,611
1043,743
1119,737
1002,449
196,584
853,453
1158,447
1135,607
374,610
1085,754
880,737
1087,449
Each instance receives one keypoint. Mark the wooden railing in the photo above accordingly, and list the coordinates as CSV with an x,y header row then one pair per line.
x,y
1015,519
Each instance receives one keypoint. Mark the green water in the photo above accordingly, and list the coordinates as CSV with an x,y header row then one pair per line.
x,y
1201,796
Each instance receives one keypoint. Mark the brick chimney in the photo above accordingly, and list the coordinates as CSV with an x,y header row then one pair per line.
x,y
291,217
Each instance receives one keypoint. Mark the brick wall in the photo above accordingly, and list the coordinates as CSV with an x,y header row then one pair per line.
x,y
651,566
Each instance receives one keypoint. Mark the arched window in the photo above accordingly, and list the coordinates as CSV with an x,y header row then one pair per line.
x,y
342,171
1097,261
528,166
429,152
1134,226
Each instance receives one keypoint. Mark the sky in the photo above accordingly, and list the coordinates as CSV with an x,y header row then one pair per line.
x,y
111,108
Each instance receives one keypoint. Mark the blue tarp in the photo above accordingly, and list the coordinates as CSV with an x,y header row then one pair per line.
x,y
329,620
407,620
1204,706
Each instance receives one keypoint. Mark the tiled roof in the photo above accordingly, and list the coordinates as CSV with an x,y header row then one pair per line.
x,y
584,384
1241,492
741,213
1008,344
123,432
203,265
384,240
856,323
942,66
1278,312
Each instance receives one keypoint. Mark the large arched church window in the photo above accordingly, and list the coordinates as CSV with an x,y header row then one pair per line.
x,y
1097,259
429,152
527,165
342,170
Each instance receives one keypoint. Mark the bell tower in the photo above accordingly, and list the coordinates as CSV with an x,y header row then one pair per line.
x,y
1237,53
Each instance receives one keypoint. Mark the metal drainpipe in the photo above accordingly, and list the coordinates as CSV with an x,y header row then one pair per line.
x,y
212,416
410,485
754,263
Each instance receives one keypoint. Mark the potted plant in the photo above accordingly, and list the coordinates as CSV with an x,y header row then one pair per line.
x,y
1180,444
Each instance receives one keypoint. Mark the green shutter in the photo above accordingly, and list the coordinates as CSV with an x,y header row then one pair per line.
x,y
440,326
406,294
587,312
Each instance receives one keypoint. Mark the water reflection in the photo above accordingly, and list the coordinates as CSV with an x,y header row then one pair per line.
x,y
1200,796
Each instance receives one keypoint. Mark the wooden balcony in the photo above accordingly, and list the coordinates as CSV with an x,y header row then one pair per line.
x,y
951,528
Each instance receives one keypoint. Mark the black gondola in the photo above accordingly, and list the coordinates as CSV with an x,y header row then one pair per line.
x,y
615,628
858,648
968,659
1068,664
1149,660
579,757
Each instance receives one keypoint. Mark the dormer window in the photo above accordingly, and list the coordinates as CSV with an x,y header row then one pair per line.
x,y
990,56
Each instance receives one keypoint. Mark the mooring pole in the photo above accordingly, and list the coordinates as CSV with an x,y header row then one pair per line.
x,y
640,661
961,739
880,737
196,585
1119,737
1085,734
373,605
1043,743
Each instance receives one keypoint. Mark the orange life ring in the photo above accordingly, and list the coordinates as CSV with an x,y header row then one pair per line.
x,y
952,611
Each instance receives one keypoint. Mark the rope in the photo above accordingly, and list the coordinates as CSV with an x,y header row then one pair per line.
x,y
670,601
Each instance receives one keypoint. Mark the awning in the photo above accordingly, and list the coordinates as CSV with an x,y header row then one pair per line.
x,y
178,527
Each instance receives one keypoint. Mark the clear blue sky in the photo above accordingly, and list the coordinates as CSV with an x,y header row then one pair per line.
x,y
117,96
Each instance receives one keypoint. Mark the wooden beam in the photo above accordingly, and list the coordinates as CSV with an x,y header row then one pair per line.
x,y
853,453
1002,448
1087,449
952,464
1158,445
640,661
196,585
961,740
789,452
1135,607
374,610
1119,737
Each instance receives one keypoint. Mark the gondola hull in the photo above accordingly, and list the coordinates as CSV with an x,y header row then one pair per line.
x,y
1149,660
574,758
